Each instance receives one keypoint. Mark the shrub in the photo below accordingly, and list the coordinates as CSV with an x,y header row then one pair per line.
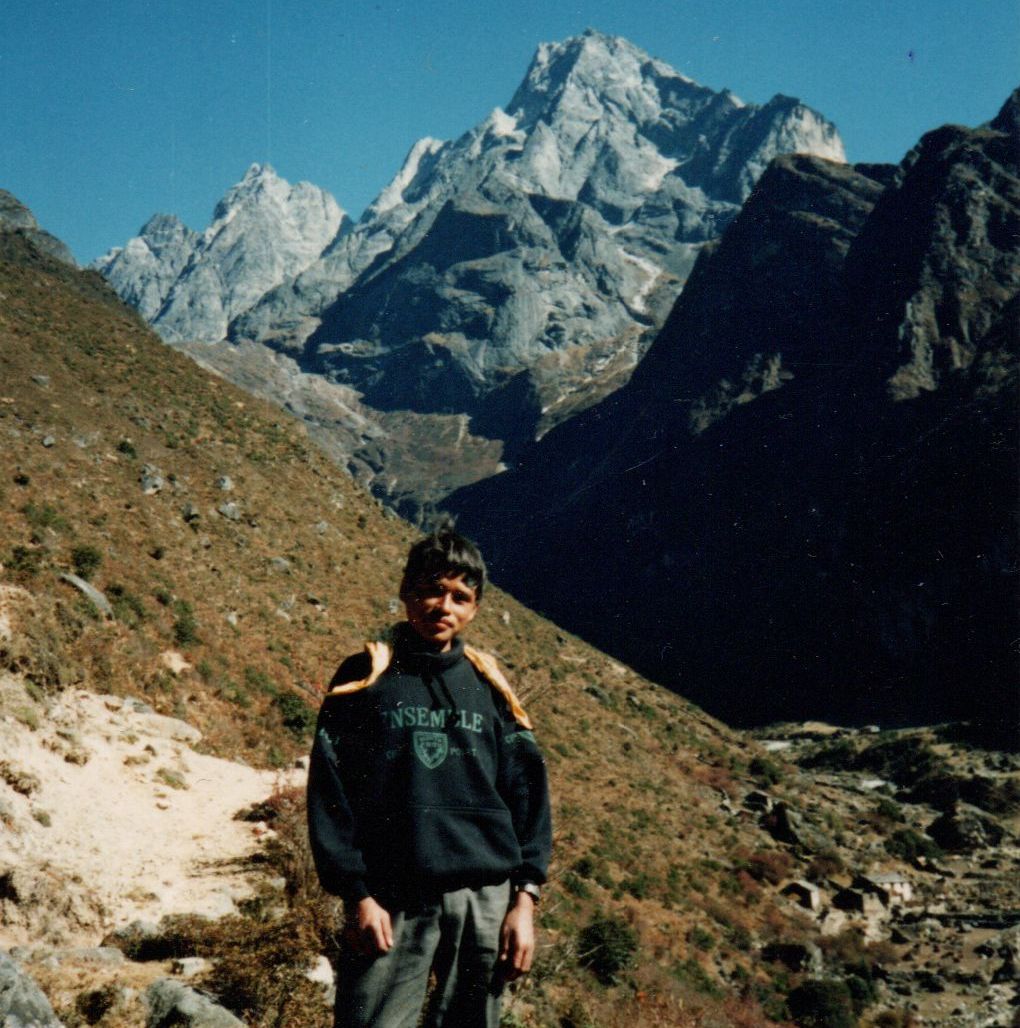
x,y
126,447
824,865
261,682
230,690
638,885
822,1003
696,977
607,946
764,771
26,560
863,991
171,778
86,559
576,885
185,625
889,809
909,845
770,866
297,717
44,517
126,606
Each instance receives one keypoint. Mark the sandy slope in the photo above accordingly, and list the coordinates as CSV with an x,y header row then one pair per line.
x,y
107,814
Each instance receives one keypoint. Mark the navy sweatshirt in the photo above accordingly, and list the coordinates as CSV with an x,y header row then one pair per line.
x,y
424,781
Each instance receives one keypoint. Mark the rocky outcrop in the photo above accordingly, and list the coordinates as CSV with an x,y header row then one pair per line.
x,y
190,286
800,505
22,1003
17,218
966,828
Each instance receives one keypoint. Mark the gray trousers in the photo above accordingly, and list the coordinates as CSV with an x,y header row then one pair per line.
x,y
457,936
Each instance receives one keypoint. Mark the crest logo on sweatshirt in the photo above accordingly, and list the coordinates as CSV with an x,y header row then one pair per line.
x,y
431,748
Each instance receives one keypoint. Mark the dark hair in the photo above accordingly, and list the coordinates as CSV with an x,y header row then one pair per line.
x,y
444,552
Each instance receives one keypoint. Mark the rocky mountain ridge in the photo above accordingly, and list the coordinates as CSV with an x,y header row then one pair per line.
x,y
514,275
190,285
806,491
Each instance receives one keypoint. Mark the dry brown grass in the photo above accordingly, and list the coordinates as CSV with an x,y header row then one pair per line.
x,y
88,398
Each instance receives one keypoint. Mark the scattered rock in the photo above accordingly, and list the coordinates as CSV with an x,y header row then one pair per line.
x,y
786,825
173,1005
280,564
22,1003
930,981
805,894
230,510
598,693
41,380
151,479
189,967
174,662
48,441
225,482
190,513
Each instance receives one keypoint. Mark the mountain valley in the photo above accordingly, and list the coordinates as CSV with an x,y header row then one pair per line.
x,y
181,566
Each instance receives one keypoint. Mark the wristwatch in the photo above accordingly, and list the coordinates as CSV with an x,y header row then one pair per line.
x,y
533,890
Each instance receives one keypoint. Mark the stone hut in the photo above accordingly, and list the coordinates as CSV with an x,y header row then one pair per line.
x,y
890,887
805,893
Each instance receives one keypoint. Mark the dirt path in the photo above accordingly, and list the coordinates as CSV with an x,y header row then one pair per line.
x,y
107,815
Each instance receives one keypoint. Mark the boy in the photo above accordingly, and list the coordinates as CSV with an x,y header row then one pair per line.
x,y
428,810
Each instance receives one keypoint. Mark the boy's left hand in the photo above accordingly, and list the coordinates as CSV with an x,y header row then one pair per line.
x,y
517,937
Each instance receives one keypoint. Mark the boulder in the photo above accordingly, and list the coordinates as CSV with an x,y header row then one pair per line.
x,y
965,828
787,825
22,1003
231,511
174,1004
138,940
151,480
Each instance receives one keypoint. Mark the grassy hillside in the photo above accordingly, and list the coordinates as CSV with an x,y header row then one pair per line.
x,y
218,533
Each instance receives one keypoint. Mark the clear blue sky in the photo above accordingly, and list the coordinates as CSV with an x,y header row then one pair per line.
x,y
112,110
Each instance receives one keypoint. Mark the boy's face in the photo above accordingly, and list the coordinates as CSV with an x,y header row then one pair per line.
x,y
439,610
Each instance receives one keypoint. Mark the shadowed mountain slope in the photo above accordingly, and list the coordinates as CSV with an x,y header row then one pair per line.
x,y
804,501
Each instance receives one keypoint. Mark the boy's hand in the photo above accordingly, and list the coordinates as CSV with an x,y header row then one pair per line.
x,y
517,937
369,929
